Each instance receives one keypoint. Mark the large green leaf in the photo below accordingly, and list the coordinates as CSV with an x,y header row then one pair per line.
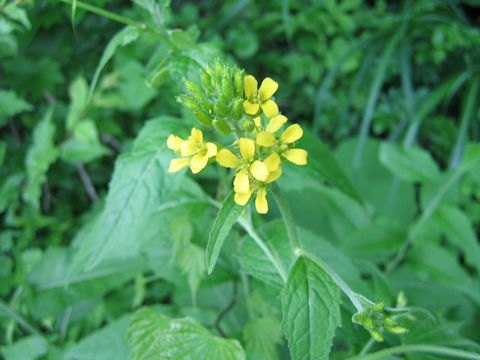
x,y
227,216
311,311
459,231
107,343
27,348
154,336
139,186
78,92
40,156
262,337
409,164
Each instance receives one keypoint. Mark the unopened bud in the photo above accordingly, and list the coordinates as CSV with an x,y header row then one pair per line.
x,y
238,109
195,89
188,101
221,126
203,117
238,82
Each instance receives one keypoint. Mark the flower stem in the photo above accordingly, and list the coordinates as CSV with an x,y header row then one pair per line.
x,y
287,217
247,225
125,20
423,348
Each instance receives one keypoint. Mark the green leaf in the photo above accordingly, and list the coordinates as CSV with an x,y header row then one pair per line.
x,y
40,156
15,12
409,164
78,92
105,344
192,263
27,348
11,104
311,311
262,337
322,163
125,36
139,186
226,217
54,291
3,151
459,231
154,336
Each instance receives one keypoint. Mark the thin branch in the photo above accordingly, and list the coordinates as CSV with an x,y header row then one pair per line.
x,y
226,310
110,140
87,183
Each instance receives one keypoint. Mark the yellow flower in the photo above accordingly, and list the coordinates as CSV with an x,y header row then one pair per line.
x,y
294,132
195,152
260,98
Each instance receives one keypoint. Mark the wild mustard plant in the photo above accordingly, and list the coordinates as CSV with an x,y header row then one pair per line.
x,y
232,103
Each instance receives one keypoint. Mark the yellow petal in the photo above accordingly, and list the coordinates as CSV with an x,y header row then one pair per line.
x,y
250,108
269,108
197,163
241,183
297,156
227,158
258,121
211,150
276,123
247,148
272,162
261,201
177,164
292,134
173,143
197,135
268,88
188,148
259,170
250,84
274,175
242,198
265,139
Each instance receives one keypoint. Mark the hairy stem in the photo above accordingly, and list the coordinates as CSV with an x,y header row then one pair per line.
x,y
430,349
287,217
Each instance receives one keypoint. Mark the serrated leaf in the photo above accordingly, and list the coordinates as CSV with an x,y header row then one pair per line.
x,y
311,311
139,186
227,216
262,337
40,156
154,336
123,37
409,164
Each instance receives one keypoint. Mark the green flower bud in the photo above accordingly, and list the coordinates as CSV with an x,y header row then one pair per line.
x,y
205,78
396,329
248,125
238,109
379,307
377,335
203,117
195,89
188,101
238,82
221,107
227,86
221,126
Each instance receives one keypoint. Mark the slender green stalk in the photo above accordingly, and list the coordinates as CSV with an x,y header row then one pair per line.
x,y
247,225
124,20
422,348
19,319
287,217
352,295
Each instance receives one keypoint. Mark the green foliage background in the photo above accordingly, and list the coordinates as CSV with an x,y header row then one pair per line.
x,y
93,228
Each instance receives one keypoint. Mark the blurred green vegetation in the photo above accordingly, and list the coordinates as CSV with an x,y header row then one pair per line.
x,y
390,88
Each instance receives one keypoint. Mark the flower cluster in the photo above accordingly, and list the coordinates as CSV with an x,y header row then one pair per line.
x,y
232,103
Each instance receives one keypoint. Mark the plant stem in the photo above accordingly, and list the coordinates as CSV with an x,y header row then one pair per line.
x,y
287,217
19,319
352,295
124,20
247,225
431,349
